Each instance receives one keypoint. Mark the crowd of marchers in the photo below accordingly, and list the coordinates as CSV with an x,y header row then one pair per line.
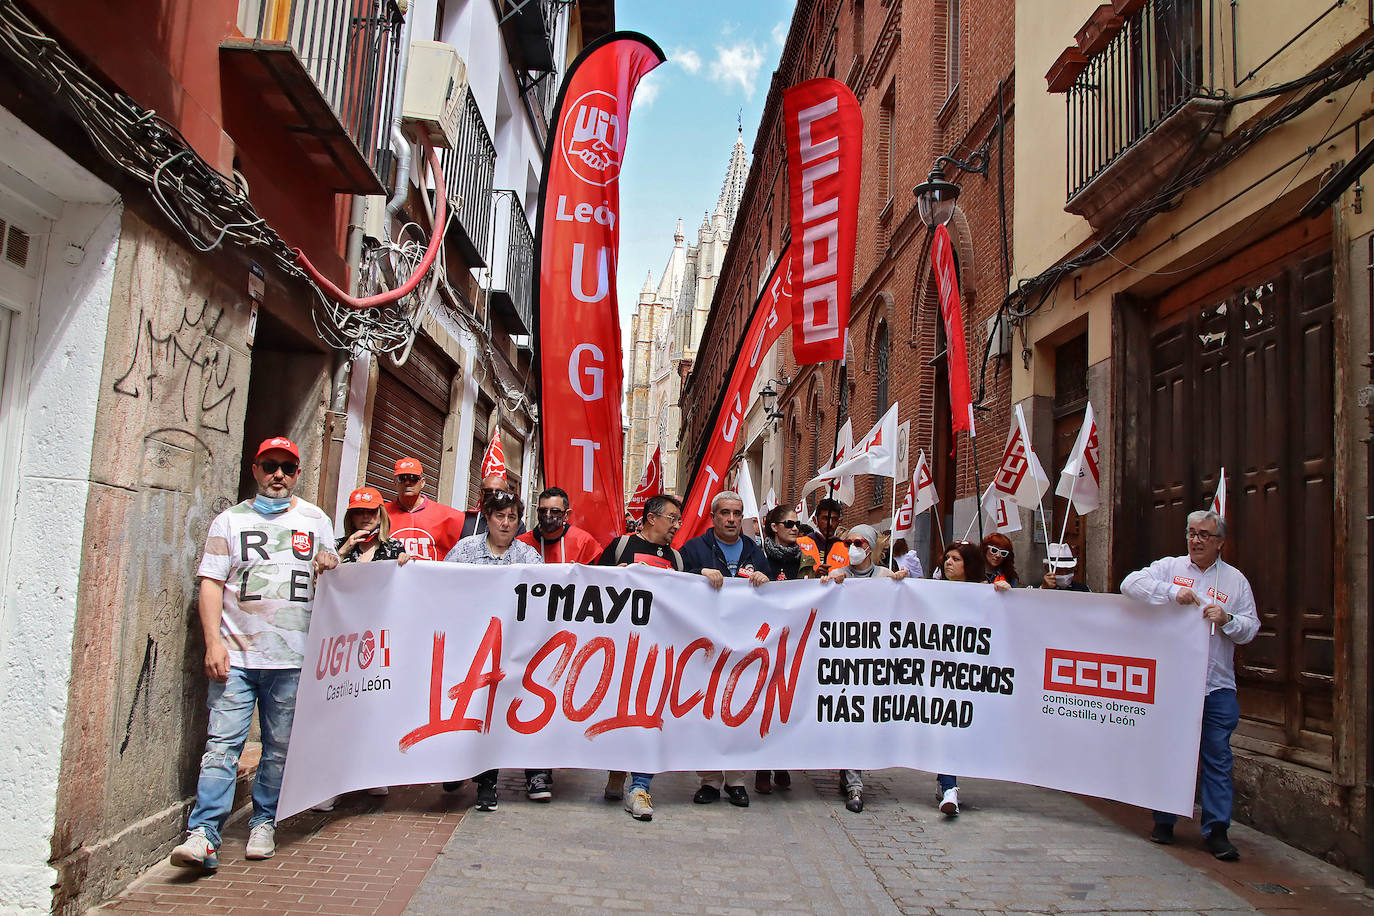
x,y
262,557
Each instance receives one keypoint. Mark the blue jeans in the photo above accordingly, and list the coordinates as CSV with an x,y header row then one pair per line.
x,y
231,712
640,781
1220,716
946,782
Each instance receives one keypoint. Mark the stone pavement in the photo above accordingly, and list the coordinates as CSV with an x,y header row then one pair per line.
x,y
1015,849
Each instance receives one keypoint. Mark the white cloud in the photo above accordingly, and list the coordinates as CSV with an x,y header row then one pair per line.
x,y
686,58
780,32
646,91
738,64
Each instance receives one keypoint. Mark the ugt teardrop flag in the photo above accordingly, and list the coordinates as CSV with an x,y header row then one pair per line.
x,y
771,316
575,305
824,129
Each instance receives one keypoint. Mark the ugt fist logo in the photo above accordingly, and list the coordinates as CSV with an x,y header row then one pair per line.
x,y
593,138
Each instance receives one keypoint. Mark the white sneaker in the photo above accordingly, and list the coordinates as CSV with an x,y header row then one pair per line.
x,y
379,791
949,804
326,805
262,842
196,852
639,805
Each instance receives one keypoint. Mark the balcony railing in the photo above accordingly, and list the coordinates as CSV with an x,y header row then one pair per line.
x,y
469,169
1147,72
349,51
512,265
529,26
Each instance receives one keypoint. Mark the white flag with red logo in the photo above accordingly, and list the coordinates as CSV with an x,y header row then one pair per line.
x,y
650,483
1081,480
494,461
744,486
804,514
844,449
875,453
1001,513
1219,500
1020,477
770,502
920,496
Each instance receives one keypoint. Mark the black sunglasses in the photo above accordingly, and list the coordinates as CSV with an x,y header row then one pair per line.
x,y
499,498
790,523
408,479
289,468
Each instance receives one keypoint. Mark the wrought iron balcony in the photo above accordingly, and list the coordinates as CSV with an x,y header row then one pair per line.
x,y
469,169
512,265
1142,101
327,72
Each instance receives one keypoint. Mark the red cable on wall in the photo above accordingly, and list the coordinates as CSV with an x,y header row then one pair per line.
x,y
436,239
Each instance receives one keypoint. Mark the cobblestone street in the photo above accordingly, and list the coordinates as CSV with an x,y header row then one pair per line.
x,y
1014,849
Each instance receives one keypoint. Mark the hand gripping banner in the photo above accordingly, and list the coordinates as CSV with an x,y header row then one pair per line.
x,y
578,326
824,129
771,316
438,671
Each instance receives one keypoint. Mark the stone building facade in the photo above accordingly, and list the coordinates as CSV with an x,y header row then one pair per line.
x,y
666,329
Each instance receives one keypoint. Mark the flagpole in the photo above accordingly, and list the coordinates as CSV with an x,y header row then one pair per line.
x,y
977,482
892,538
1072,483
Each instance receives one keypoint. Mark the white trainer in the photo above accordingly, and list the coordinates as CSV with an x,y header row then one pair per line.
x,y
262,842
949,804
196,852
640,806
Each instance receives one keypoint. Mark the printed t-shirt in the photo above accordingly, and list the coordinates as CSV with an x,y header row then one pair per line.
x,y
429,532
638,550
265,563
575,546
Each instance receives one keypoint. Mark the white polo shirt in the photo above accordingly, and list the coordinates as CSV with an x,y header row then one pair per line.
x,y
1221,583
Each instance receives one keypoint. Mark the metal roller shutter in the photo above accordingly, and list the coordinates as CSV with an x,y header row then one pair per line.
x,y
408,414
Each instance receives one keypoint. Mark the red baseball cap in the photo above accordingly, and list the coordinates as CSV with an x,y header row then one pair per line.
x,y
365,498
409,466
281,442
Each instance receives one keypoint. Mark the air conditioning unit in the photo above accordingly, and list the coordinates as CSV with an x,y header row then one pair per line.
x,y
436,87
998,330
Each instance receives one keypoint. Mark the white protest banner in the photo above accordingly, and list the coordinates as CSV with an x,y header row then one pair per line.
x,y
436,671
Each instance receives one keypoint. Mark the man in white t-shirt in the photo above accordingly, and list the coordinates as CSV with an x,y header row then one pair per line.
x,y
257,585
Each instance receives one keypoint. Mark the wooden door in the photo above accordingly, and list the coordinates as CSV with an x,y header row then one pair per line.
x,y
1242,376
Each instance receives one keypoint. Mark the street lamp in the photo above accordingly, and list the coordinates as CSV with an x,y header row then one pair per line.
x,y
936,196
769,395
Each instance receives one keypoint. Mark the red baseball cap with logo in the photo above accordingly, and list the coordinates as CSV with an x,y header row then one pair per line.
x,y
365,498
409,466
281,442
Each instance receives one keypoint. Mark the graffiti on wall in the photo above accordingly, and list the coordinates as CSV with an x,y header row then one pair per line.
x,y
188,356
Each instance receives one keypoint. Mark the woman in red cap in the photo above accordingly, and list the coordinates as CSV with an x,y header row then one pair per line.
x,y
367,530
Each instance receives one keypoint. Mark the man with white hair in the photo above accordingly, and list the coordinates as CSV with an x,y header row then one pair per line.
x,y
717,554
1202,578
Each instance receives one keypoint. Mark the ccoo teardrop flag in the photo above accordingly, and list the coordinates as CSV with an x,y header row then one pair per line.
x,y
578,325
824,127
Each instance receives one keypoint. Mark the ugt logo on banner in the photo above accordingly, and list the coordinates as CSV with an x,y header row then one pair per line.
x,y
593,138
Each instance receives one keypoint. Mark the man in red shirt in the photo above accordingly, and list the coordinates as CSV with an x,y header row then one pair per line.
x,y
426,528
556,538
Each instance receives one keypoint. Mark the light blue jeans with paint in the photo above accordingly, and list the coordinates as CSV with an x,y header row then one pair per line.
x,y
273,690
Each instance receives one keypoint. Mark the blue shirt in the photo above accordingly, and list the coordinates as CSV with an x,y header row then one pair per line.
x,y
732,553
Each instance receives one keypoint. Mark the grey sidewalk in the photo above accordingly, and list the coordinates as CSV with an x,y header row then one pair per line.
x,y
1015,849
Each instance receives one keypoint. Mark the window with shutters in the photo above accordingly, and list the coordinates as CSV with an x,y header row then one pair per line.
x,y
881,351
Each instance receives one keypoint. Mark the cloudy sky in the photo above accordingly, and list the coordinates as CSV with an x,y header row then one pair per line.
x,y
721,56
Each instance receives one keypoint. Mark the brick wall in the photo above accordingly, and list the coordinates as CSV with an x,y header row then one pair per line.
x,y
894,53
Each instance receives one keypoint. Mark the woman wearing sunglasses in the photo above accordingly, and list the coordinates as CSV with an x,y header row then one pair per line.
x,y
794,556
1000,558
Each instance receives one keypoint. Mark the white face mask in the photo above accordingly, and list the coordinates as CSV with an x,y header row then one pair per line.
x,y
1063,579
856,555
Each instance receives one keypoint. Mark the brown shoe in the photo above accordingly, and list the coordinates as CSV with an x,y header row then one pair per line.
x,y
782,779
763,782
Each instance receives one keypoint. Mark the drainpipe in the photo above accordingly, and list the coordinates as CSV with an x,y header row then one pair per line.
x,y
398,138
